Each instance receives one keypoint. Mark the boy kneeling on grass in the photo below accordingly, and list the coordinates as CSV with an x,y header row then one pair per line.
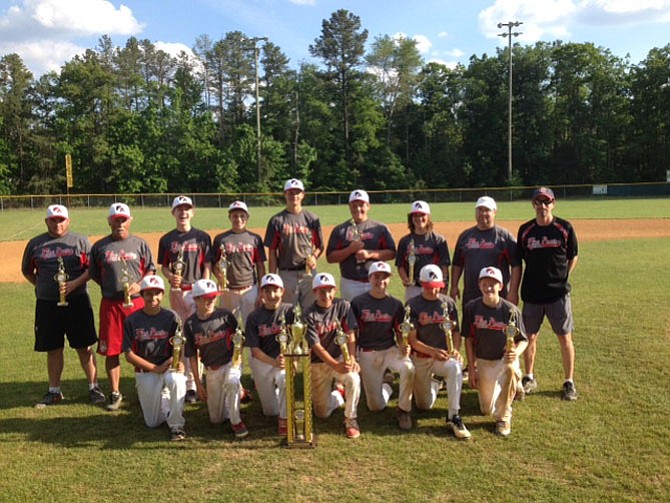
x,y
147,344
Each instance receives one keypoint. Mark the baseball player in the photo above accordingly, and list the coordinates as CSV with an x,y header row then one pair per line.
x,y
429,312
267,365
209,336
422,246
494,371
327,318
44,255
356,243
379,316
184,254
295,242
118,264
548,246
147,344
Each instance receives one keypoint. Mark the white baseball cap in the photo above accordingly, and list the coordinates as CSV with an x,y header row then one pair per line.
x,y
323,280
359,195
57,211
294,183
379,267
420,207
272,280
180,200
152,282
119,210
491,272
238,205
205,288
486,202
431,276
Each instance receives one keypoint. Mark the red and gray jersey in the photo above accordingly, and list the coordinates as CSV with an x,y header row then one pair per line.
x,y
107,257
375,236
476,249
428,316
41,258
212,338
244,250
430,248
196,247
149,336
295,236
486,325
322,326
378,321
264,324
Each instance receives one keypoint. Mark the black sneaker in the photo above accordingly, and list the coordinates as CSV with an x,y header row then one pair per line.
x,y
114,401
458,428
191,397
529,384
95,395
177,434
51,398
569,391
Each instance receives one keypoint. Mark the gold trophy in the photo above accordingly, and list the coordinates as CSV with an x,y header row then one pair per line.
x,y
341,339
308,254
238,341
222,264
178,266
282,337
411,260
447,326
405,328
61,277
511,330
298,344
177,342
356,236
125,280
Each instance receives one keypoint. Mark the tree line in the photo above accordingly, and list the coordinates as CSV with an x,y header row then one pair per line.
x,y
135,119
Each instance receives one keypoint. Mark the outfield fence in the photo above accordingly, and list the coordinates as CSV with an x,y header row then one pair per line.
x,y
222,200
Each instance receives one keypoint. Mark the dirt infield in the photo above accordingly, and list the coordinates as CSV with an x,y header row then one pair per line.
x,y
587,230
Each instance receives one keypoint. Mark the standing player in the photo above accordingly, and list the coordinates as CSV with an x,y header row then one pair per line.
x,y
430,353
324,319
295,242
147,344
356,243
42,259
261,330
494,371
115,258
379,316
209,333
189,248
548,246
423,246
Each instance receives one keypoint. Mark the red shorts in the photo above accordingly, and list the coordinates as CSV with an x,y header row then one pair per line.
x,y
112,315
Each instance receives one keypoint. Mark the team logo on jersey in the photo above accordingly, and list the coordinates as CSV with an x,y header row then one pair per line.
x,y
474,244
545,242
375,317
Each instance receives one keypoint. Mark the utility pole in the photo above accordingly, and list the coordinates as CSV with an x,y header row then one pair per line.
x,y
509,25
257,51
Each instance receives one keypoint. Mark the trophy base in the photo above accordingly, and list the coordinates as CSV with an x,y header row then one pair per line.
x,y
128,305
63,304
299,444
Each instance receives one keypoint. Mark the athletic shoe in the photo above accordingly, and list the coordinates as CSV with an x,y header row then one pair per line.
x,y
388,378
569,391
404,420
114,401
282,427
240,430
465,373
458,428
529,384
351,428
503,428
95,395
245,396
51,398
191,397
177,434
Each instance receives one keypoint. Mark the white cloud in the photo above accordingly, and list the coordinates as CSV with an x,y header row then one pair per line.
x,y
41,57
449,64
174,48
443,34
455,53
423,43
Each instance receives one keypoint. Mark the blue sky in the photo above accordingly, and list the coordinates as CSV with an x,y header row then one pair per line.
x,y
45,33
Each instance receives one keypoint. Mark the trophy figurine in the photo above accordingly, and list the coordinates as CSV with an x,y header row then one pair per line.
x,y
447,326
511,330
298,345
178,267
222,264
125,281
411,260
308,259
61,277
178,342
341,339
405,328
355,236
238,341
282,337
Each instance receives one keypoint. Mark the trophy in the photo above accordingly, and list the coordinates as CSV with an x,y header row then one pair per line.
x,y
61,277
298,344
125,280
238,341
178,266
308,255
222,264
511,330
447,326
282,337
405,328
356,236
177,342
411,260
341,339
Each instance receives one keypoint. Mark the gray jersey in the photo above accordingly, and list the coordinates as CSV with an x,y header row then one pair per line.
x,y
430,248
196,247
149,336
244,250
486,326
212,338
322,326
378,321
295,236
264,324
427,317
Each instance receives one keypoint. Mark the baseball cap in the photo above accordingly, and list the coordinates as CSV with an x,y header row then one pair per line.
x,y
323,280
379,267
119,210
543,193
294,183
272,280
431,276
359,195
238,205
491,272
205,288
179,200
420,207
486,202
57,211
152,282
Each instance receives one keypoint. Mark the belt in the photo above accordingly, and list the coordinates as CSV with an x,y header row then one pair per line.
x,y
295,268
370,350
420,355
239,287
185,287
362,280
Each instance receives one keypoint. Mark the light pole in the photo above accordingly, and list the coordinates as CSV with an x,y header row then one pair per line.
x,y
509,25
257,51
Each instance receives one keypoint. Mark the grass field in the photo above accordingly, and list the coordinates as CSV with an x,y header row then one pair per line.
x,y
613,444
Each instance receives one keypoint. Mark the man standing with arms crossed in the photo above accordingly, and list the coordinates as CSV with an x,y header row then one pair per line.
x,y
44,256
548,246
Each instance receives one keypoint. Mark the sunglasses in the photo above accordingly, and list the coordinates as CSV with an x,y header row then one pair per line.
x,y
543,202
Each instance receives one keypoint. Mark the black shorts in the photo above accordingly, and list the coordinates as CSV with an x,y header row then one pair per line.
x,y
75,320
